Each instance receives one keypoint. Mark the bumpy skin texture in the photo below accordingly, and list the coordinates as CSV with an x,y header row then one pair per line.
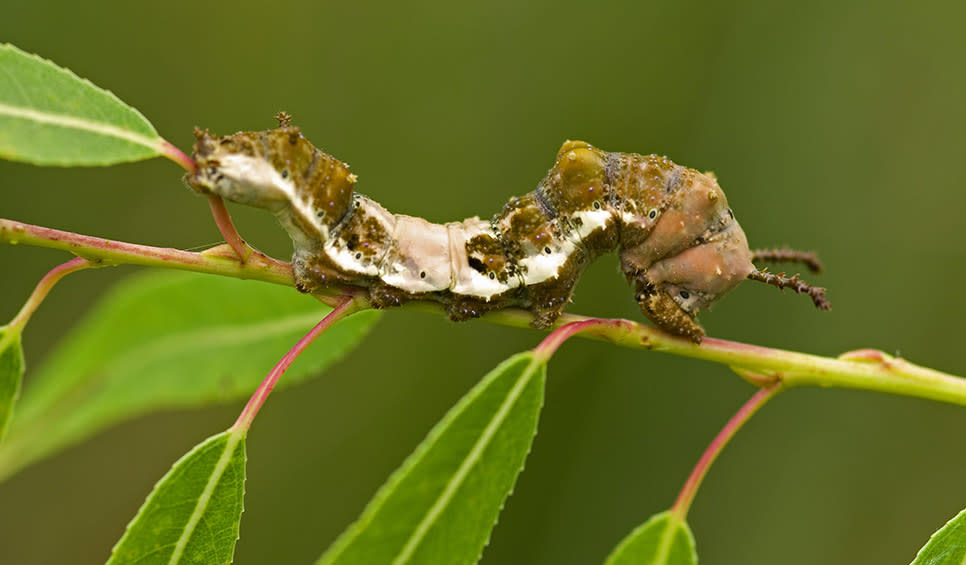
x,y
680,246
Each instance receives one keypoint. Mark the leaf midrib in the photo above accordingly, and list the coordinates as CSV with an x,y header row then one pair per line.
x,y
464,469
233,438
70,122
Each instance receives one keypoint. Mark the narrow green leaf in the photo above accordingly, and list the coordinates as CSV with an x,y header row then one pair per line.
x,y
947,546
440,506
50,116
664,539
192,515
11,373
166,340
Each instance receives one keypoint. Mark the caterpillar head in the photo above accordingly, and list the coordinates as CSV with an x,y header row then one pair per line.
x,y
240,168
275,169
687,252
673,290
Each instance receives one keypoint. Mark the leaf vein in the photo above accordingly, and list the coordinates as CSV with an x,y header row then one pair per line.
x,y
71,122
464,469
205,497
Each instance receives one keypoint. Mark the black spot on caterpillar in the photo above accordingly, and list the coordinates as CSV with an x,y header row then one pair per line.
x,y
680,246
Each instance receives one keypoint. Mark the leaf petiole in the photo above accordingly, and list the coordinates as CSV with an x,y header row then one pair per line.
x,y
43,288
170,151
747,410
227,228
347,306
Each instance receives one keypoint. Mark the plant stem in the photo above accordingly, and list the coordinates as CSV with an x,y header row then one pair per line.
x,y
218,210
109,252
227,228
690,489
558,336
168,150
864,369
347,306
43,288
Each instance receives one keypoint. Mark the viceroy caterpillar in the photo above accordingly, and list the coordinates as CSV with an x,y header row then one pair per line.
x,y
679,243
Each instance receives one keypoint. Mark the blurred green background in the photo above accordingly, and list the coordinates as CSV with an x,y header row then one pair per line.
x,y
832,126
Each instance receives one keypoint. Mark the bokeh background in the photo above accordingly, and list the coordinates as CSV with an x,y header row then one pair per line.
x,y
833,126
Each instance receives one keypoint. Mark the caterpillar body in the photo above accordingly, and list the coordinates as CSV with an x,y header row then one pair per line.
x,y
679,243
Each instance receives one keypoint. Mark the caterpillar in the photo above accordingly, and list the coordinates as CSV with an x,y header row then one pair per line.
x,y
679,243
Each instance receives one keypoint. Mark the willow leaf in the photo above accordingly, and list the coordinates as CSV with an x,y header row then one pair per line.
x,y
440,506
947,546
11,373
50,116
193,513
665,539
168,340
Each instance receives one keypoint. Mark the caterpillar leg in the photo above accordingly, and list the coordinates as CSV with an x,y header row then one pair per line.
x,y
382,295
548,301
461,308
662,309
817,294
313,273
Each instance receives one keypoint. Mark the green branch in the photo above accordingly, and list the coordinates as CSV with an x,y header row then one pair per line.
x,y
220,260
862,369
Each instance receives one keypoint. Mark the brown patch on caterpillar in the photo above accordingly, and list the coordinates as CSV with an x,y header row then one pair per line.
x,y
661,309
321,180
330,186
382,295
463,308
485,254
602,240
689,214
693,254
365,236
646,186
524,220
303,223
548,299
275,169
313,271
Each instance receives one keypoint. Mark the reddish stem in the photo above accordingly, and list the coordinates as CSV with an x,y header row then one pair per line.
x,y
227,228
347,306
171,152
43,288
549,345
218,210
690,489
110,252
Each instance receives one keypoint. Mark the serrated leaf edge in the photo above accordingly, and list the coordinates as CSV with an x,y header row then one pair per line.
x,y
961,514
471,459
234,437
